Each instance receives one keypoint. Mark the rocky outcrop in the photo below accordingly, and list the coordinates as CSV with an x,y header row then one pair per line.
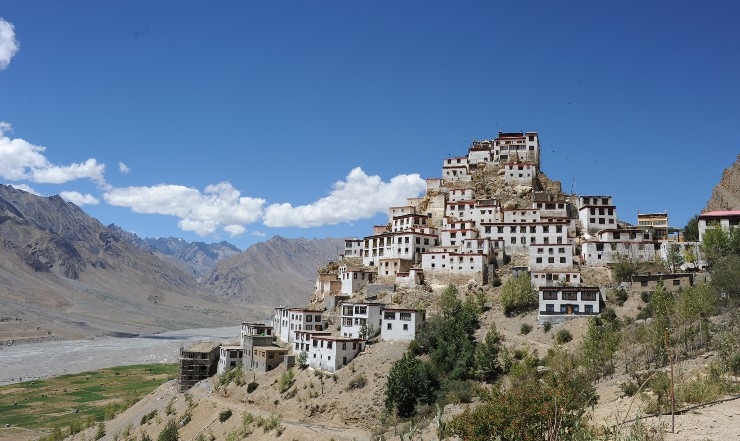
x,y
726,195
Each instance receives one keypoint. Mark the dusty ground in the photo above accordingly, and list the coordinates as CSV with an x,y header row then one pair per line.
x,y
337,412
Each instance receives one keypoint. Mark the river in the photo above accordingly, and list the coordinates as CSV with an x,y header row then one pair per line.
x,y
49,359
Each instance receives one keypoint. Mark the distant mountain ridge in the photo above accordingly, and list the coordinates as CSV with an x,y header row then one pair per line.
x,y
277,271
63,272
195,258
726,194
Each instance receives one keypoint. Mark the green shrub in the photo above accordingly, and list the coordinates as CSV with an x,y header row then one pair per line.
x,y
358,382
100,431
525,329
252,386
563,336
546,327
224,415
169,433
286,380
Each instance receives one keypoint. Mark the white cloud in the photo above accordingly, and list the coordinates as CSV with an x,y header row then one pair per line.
x,y
359,196
235,230
25,188
8,44
258,233
123,168
78,198
218,206
23,161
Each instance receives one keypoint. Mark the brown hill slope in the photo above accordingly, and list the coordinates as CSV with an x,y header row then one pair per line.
x,y
726,195
279,271
62,274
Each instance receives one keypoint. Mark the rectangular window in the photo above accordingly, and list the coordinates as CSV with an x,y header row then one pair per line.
x,y
588,295
550,307
389,315
549,295
389,326
406,316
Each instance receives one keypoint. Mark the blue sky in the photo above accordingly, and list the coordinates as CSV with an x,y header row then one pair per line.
x,y
238,121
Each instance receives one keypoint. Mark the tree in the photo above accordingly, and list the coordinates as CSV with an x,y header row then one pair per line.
x,y
663,304
303,360
536,406
410,382
674,259
518,295
599,345
624,267
691,230
487,363
726,276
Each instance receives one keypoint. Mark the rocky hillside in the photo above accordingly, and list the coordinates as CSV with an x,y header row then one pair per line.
x,y
726,195
63,273
279,271
194,258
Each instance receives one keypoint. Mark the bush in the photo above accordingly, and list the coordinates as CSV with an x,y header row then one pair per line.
x,y
563,336
169,433
525,329
224,415
546,327
100,432
358,382
620,296
629,388
252,386
286,381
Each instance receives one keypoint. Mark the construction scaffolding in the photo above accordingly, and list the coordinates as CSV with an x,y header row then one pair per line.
x,y
197,363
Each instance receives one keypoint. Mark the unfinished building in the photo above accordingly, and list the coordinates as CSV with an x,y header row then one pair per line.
x,y
197,363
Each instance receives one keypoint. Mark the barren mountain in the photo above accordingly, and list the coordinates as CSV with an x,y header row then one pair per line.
x,y
63,273
278,271
194,258
726,195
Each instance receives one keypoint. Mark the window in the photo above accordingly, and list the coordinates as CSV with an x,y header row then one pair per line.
x,y
562,260
406,316
389,326
570,295
676,282
405,327
550,307
643,283
589,309
549,295
389,315
309,318
588,295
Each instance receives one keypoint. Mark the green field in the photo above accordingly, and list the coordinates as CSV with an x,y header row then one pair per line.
x,y
79,399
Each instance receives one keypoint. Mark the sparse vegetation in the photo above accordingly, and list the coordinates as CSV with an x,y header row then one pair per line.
x,y
525,328
224,415
563,336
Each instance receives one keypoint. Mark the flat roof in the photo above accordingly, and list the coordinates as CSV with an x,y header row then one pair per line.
x,y
204,346
720,213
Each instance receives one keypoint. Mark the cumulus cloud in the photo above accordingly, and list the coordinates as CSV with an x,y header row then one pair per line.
x,y
258,233
8,44
78,198
218,206
23,161
359,196
123,168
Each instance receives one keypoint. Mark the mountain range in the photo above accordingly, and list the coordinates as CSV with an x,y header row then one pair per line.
x,y
63,274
